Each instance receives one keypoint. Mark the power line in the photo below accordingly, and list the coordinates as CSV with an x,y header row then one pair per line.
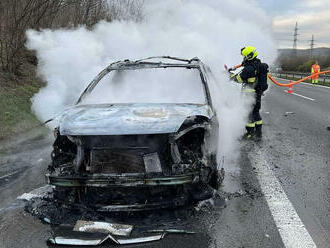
x,y
300,40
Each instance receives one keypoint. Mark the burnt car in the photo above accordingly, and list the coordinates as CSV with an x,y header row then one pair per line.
x,y
143,135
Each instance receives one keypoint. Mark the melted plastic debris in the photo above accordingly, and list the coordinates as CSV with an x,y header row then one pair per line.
x,y
85,241
70,241
37,193
289,113
81,241
171,231
141,239
64,217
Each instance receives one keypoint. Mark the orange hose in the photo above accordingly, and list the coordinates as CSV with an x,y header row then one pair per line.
x,y
296,82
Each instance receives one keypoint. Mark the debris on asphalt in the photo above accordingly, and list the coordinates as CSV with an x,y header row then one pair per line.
x,y
76,225
251,191
328,128
80,241
26,196
94,241
141,239
171,231
289,113
37,193
47,220
103,227
217,201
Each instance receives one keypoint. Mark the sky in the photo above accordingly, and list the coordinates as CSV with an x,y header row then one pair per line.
x,y
313,17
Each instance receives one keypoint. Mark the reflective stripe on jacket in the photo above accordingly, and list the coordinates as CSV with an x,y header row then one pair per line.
x,y
248,77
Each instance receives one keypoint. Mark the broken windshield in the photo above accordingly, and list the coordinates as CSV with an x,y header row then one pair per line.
x,y
149,85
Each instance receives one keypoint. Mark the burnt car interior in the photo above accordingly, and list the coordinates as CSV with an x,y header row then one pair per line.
x,y
164,157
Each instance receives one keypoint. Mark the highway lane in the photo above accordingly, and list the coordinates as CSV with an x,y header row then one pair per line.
x,y
297,146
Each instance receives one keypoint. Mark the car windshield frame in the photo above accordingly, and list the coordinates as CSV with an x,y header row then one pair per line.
x,y
140,65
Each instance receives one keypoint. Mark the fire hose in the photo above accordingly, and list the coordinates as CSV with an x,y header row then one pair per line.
x,y
291,83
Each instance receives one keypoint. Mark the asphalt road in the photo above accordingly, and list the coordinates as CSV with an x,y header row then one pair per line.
x,y
297,147
277,193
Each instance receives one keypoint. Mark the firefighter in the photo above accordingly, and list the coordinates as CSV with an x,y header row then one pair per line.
x,y
315,69
253,76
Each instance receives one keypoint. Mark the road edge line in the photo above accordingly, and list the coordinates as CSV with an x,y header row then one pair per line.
x,y
306,97
291,229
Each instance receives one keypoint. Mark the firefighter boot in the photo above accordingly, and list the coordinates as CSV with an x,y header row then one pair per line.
x,y
258,132
249,133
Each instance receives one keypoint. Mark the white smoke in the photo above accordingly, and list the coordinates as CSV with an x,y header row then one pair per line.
x,y
212,30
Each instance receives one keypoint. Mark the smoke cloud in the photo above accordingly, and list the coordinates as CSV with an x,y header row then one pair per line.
x,y
212,30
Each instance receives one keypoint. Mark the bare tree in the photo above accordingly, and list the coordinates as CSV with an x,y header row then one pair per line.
x,y
126,10
16,16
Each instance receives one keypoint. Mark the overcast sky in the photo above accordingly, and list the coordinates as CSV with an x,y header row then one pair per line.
x,y
313,17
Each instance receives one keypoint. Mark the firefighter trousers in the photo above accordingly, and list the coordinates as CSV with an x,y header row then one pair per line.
x,y
255,121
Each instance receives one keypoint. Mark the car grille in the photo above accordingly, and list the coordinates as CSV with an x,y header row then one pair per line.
x,y
117,161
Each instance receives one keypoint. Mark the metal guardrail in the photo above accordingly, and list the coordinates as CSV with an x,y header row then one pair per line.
x,y
299,75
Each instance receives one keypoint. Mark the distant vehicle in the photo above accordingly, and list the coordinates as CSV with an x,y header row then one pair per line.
x,y
154,148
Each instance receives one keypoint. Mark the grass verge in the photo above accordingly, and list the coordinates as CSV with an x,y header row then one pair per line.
x,y
15,103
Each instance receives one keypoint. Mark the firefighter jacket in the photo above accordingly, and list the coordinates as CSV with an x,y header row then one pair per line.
x,y
249,75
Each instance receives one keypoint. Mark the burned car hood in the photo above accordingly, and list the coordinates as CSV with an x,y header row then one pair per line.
x,y
125,119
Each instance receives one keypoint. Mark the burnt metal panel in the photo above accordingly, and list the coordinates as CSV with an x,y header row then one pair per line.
x,y
123,180
125,119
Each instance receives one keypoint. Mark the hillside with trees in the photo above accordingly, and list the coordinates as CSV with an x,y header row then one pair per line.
x,y
302,60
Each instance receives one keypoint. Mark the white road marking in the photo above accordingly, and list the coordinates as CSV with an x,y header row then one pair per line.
x,y
300,95
303,96
291,229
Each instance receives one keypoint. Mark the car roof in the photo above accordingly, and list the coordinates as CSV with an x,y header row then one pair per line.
x,y
155,62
